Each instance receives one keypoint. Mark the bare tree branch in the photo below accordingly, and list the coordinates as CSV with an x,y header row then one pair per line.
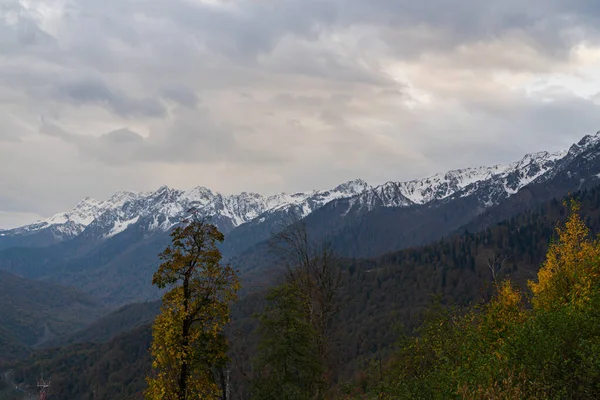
x,y
496,265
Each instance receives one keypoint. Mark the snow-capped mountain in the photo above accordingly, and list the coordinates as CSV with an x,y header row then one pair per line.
x,y
73,222
113,253
163,208
504,179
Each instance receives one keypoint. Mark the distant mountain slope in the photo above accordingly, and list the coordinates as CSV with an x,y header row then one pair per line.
x,y
578,170
356,228
118,322
407,205
117,270
32,313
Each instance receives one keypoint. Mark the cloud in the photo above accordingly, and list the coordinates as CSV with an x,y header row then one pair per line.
x,y
282,94
182,96
97,92
190,137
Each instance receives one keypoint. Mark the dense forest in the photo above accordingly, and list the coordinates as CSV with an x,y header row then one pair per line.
x,y
503,348
33,311
456,318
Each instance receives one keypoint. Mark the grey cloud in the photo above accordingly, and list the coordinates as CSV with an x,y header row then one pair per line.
x,y
10,130
122,136
19,29
497,132
472,20
332,118
181,96
255,28
97,92
56,131
191,138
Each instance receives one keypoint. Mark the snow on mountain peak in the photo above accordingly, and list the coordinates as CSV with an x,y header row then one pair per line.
x,y
121,198
585,143
165,206
199,193
510,177
354,186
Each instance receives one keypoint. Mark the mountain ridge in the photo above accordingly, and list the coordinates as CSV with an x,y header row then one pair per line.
x,y
163,208
113,259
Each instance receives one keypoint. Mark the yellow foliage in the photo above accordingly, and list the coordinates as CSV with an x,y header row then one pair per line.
x,y
504,312
570,271
188,340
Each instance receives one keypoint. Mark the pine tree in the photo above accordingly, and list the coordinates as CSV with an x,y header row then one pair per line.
x,y
189,347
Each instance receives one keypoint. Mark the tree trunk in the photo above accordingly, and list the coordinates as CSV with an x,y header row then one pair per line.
x,y
183,374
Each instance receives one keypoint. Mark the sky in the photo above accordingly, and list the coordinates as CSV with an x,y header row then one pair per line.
x,y
281,95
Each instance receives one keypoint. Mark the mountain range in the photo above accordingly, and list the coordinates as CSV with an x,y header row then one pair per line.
x,y
109,248
163,208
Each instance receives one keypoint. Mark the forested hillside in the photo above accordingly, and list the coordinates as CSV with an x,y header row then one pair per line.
x,y
382,297
388,295
540,344
111,325
112,370
32,313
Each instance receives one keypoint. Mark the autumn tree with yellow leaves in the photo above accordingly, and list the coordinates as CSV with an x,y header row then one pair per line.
x,y
504,349
189,347
571,270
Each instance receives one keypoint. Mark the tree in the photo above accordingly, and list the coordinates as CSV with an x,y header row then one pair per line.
x,y
286,365
189,347
571,270
314,280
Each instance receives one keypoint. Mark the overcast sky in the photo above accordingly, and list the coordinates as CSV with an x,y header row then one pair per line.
x,y
281,95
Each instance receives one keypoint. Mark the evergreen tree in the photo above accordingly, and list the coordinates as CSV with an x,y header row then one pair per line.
x,y
189,347
286,365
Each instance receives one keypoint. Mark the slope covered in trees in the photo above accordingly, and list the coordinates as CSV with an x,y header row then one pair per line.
x,y
120,321
32,313
502,349
114,370
396,288
387,295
